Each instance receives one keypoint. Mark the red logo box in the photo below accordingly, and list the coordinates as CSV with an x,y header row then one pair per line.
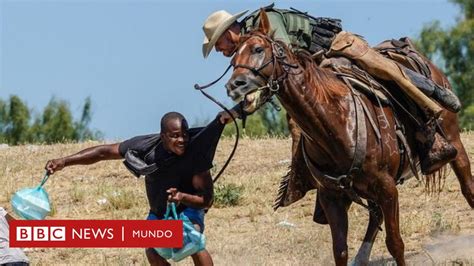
x,y
97,233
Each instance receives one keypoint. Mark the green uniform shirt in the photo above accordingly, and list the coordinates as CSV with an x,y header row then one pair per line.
x,y
290,28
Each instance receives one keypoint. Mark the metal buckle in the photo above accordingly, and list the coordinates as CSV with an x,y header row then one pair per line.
x,y
272,89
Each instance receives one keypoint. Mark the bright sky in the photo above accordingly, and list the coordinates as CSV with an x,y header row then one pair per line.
x,y
139,59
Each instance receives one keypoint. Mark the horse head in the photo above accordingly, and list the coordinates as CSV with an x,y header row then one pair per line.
x,y
257,67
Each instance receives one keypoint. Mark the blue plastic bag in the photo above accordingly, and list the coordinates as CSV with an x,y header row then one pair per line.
x,y
32,203
193,240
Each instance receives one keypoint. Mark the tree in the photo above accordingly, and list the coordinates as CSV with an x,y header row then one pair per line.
x,y
54,124
453,48
14,120
82,131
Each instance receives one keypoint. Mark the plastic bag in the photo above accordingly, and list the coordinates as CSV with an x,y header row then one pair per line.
x,y
32,203
193,240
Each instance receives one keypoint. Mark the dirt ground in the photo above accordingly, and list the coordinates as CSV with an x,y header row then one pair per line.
x,y
437,229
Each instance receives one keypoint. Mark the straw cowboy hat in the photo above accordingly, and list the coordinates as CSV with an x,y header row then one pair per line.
x,y
214,26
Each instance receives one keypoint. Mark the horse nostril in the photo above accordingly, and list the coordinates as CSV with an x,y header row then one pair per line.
x,y
240,82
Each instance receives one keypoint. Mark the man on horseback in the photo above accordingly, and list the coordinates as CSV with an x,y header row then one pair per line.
x,y
324,39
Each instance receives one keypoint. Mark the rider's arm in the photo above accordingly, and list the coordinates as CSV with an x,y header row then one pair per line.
x,y
86,156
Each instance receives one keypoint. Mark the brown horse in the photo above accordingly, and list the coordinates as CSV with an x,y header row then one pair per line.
x,y
329,115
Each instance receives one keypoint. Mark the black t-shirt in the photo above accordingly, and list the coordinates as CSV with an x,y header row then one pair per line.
x,y
174,171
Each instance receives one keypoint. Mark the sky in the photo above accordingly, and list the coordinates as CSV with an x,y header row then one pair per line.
x,y
139,59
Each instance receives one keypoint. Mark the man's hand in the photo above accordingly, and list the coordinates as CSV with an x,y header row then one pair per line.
x,y
55,165
225,118
174,195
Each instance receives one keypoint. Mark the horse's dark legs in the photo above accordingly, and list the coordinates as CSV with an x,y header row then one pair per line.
x,y
375,220
388,202
335,208
462,169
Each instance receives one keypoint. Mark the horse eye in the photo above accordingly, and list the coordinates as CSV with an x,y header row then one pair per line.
x,y
259,50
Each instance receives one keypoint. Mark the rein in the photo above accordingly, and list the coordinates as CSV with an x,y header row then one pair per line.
x,y
273,86
237,132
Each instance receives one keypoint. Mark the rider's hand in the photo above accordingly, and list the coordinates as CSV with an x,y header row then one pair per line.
x,y
225,118
54,165
174,195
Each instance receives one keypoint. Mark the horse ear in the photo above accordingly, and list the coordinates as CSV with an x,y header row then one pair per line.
x,y
264,25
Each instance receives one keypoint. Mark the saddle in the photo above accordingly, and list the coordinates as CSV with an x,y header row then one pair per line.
x,y
298,181
403,51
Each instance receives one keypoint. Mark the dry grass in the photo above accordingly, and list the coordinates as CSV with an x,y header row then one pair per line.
x,y
246,234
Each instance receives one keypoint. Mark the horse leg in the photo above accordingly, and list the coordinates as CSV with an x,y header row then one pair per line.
x,y
462,169
388,202
319,216
375,220
335,208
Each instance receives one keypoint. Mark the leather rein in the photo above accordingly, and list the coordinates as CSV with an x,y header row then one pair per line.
x,y
272,85
237,132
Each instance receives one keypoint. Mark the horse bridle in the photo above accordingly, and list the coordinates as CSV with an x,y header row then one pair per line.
x,y
278,55
256,71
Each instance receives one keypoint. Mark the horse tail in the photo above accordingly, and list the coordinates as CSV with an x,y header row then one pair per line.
x,y
434,183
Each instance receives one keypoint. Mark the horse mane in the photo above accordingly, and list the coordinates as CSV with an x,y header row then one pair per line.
x,y
328,85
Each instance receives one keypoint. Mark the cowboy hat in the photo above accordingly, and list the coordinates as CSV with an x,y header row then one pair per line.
x,y
214,26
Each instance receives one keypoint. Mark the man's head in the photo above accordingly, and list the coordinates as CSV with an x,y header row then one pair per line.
x,y
174,133
228,41
221,30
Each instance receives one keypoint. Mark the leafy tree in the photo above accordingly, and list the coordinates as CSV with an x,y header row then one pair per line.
x,y
14,120
54,124
454,50
82,131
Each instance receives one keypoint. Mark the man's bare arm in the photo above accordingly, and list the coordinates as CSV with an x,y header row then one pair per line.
x,y
86,156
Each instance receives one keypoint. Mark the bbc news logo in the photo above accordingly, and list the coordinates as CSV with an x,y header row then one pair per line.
x,y
96,233
41,233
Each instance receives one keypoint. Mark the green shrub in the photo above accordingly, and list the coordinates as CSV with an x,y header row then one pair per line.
x,y
227,195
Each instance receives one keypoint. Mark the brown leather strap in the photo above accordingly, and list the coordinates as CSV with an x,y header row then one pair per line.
x,y
413,168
